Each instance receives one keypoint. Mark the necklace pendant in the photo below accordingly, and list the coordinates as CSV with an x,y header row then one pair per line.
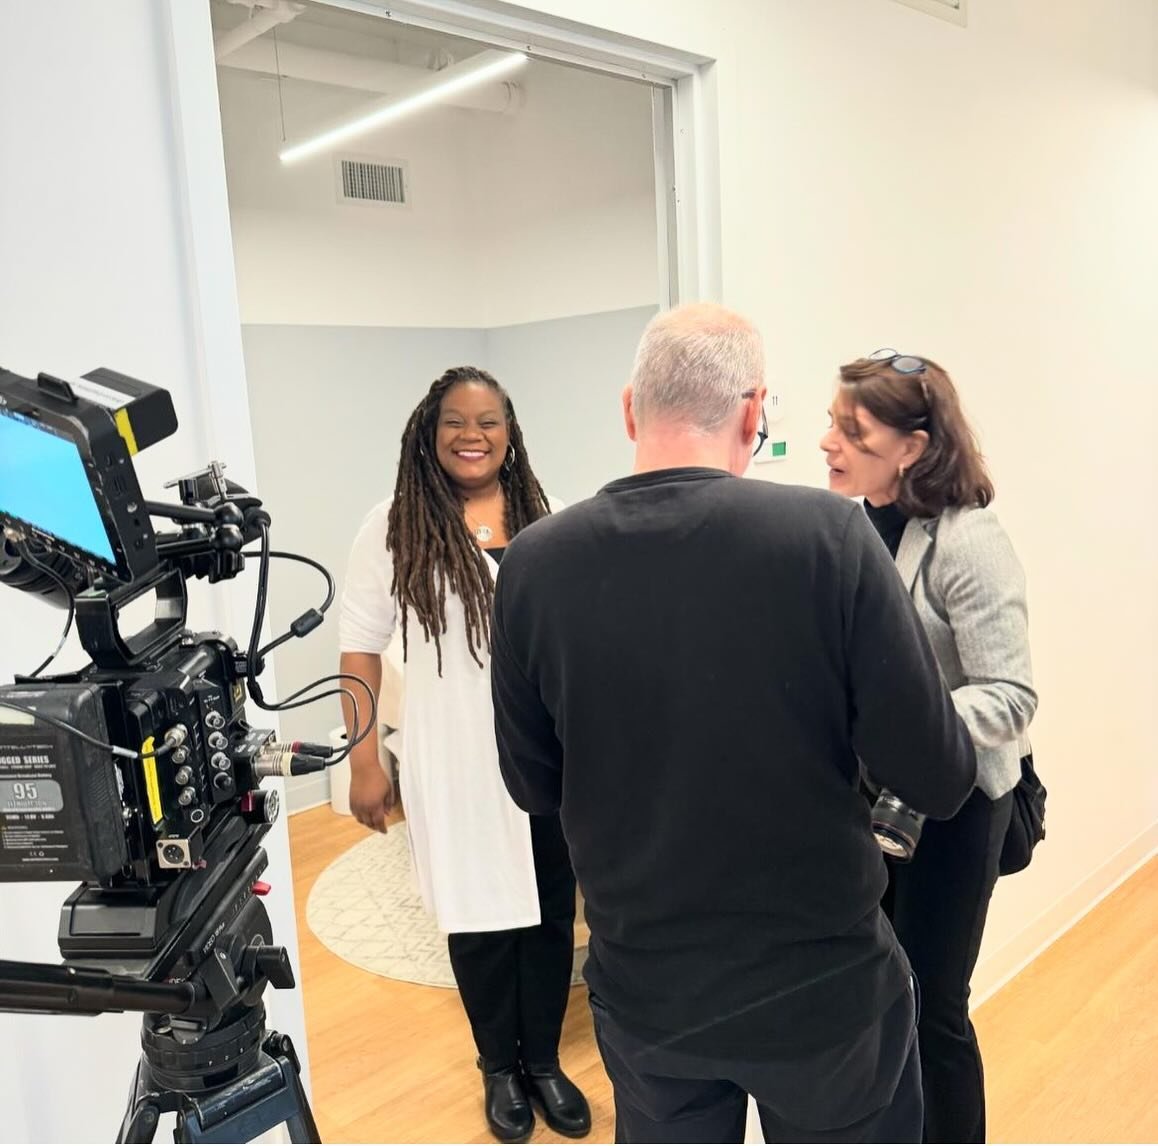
x,y
484,533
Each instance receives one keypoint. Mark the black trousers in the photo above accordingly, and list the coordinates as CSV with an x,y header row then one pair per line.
x,y
514,985
867,1089
937,903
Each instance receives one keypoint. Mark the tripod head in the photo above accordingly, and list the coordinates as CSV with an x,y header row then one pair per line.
x,y
217,958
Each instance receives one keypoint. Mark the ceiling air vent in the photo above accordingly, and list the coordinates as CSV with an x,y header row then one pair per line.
x,y
367,181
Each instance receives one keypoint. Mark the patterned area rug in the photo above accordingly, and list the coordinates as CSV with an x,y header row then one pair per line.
x,y
366,909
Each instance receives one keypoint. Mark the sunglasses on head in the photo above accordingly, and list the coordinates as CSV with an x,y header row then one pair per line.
x,y
902,364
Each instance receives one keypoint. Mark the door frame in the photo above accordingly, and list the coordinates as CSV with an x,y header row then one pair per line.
x,y
683,116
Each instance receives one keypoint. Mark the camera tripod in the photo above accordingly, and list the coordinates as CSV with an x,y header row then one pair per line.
x,y
206,1054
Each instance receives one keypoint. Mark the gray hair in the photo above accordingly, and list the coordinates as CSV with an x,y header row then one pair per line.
x,y
693,364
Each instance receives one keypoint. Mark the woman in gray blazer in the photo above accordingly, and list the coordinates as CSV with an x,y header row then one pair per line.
x,y
900,440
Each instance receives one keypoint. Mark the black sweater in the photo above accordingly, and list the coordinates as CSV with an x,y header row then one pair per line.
x,y
689,666
890,524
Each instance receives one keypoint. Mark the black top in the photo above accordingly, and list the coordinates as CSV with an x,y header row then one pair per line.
x,y
689,666
889,522
497,553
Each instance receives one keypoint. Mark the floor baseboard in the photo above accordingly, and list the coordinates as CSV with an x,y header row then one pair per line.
x,y
994,971
307,792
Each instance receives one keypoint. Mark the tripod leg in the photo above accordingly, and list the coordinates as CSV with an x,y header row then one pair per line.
x,y
143,1112
140,1124
301,1127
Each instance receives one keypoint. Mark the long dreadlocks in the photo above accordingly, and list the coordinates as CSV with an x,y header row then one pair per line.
x,y
432,548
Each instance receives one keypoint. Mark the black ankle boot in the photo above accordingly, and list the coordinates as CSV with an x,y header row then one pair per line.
x,y
564,1106
508,1110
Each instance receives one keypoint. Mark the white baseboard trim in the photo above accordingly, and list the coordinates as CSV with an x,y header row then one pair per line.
x,y
307,792
997,969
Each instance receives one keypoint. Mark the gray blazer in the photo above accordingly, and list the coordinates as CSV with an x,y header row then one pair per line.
x,y
969,590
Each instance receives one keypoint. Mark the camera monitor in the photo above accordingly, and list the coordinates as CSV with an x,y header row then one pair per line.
x,y
66,477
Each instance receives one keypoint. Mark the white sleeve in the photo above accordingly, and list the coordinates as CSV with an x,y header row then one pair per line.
x,y
367,616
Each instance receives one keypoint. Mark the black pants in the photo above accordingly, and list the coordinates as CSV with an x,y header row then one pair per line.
x,y
514,984
937,904
865,1090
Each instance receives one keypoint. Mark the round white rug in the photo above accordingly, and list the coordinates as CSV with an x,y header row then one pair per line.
x,y
366,909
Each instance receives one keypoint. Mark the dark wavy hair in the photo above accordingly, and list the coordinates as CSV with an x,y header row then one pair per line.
x,y
951,472
431,547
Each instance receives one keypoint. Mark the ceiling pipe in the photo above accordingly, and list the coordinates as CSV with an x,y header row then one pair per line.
x,y
361,73
262,18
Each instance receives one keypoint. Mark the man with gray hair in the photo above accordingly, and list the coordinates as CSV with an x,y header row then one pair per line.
x,y
689,666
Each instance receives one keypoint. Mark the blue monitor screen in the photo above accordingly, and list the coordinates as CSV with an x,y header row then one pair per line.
x,y
43,482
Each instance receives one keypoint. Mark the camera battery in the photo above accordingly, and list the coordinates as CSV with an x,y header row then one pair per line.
x,y
61,815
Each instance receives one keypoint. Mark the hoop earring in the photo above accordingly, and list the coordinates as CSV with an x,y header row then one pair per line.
x,y
900,473
509,460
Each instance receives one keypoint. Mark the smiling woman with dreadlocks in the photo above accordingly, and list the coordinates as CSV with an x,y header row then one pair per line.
x,y
499,882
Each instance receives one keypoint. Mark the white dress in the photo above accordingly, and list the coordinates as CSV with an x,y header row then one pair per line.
x,y
470,844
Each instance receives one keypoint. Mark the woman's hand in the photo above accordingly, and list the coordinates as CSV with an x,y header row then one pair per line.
x,y
371,794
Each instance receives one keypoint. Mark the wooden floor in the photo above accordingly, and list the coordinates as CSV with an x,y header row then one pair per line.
x,y
1071,1045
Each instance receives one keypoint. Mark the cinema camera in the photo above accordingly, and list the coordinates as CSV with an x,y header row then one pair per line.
x,y
139,775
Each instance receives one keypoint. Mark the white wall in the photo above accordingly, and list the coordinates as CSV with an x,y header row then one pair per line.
x,y
94,271
985,196
564,201
539,214
566,378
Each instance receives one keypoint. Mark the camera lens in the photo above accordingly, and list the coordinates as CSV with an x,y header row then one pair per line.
x,y
896,826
